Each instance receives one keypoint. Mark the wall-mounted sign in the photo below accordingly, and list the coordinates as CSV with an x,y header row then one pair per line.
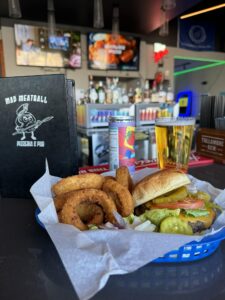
x,y
196,35
211,143
160,51
184,99
108,53
35,48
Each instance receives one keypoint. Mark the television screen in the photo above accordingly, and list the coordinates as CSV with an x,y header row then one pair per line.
x,y
58,42
108,52
35,48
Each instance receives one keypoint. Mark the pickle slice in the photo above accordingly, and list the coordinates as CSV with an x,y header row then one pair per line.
x,y
204,196
175,225
178,194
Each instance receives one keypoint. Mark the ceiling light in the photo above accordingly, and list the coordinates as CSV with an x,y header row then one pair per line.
x,y
14,9
199,59
164,29
98,14
211,63
51,18
202,11
115,22
168,4
216,64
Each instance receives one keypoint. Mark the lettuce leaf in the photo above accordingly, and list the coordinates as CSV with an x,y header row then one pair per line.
x,y
92,227
129,219
196,212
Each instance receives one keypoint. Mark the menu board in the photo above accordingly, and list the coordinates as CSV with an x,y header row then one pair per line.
x,y
35,48
109,52
37,124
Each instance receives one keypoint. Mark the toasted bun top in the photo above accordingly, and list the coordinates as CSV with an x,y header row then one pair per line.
x,y
157,184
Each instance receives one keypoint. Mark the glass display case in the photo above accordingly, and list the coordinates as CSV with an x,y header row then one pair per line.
x,y
146,113
94,146
97,115
92,121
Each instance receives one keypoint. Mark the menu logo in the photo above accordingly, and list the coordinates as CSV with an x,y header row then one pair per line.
x,y
26,98
26,125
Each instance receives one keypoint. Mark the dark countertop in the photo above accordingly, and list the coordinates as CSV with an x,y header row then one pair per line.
x,y
30,267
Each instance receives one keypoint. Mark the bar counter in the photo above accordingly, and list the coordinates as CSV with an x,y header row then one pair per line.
x,y
30,267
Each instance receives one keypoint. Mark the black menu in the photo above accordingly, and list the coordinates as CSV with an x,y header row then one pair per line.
x,y
37,123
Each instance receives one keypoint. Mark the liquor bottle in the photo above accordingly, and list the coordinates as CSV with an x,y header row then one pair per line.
x,y
159,75
101,93
93,96
115,91
169,94
146,93
138,93
108,91
124,96
154,96
162,94
131,95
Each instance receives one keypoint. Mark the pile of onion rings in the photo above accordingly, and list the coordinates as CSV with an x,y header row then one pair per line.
x,y
92,199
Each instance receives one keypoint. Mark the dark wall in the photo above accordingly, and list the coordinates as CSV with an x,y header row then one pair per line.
x,y
216,19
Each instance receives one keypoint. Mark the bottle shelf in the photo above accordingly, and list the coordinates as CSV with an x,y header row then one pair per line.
x,y
151,122
99,124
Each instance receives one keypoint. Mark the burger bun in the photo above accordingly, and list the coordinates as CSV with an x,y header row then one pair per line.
x,y
158,184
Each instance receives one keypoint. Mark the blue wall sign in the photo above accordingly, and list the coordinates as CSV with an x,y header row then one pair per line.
x,y
184,99
196,35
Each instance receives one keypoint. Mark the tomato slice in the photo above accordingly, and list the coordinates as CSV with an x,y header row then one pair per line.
x,y
187,203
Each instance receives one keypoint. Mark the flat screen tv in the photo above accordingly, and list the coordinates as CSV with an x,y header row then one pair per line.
x,y
59,43
108,52
35,48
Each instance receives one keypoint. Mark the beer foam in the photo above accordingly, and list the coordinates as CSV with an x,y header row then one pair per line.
x,y
175,121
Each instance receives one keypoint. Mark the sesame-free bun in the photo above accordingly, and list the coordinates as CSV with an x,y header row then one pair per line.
x,y
158,184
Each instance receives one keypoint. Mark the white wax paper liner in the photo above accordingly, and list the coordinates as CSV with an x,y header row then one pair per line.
x,y
90,257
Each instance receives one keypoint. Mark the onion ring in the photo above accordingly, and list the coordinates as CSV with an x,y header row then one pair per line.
x,y
89,213
60,200
59,216
124,178
120,195
78,182
109,177
70,215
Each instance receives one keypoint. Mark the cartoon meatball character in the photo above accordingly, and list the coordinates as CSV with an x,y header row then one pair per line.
x,y
25,122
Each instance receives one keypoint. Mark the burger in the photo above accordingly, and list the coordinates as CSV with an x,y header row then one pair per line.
x,y
169,201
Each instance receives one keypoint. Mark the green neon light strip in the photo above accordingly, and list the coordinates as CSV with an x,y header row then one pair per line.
x,y
199,68
198,59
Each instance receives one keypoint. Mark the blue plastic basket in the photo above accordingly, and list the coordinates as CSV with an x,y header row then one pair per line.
x,y
194,250
190,252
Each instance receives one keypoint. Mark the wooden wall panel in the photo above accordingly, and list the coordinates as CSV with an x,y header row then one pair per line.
x,y
2,62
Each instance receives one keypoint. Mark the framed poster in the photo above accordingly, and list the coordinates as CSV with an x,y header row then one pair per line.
x,y
106,52
35,48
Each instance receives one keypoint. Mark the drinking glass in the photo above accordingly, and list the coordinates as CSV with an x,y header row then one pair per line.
x,y
173,141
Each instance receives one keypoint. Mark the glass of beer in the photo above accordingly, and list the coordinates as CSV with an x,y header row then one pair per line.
x,y
173,141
